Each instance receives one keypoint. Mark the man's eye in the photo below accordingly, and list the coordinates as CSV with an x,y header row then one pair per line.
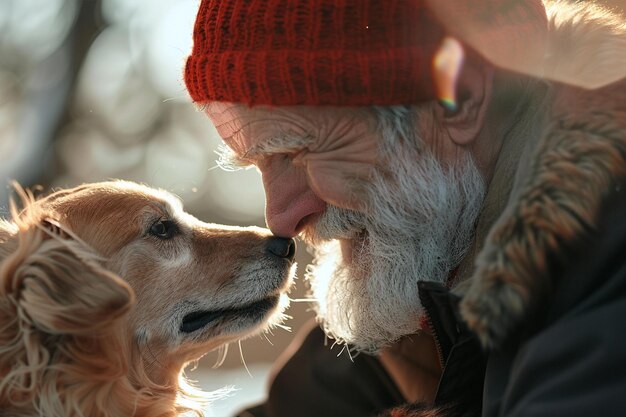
x,y
163,229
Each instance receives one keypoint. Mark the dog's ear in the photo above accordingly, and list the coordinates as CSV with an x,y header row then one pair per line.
x,y
58,283
60,311
55,281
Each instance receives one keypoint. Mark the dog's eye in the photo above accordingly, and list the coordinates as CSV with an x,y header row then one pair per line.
x,y
163,229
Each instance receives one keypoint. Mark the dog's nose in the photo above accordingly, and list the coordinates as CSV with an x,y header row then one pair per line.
x,y
282,247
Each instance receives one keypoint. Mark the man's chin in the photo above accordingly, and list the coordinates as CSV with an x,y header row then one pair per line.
x,y
346,250
354,304
352,247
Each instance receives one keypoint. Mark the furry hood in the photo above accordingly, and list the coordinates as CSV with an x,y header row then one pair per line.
x,y
586,45
559,165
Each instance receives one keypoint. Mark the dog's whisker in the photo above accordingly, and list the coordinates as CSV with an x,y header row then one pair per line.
x,y
303,300
267,338
243,360
194,365
222,351
282,326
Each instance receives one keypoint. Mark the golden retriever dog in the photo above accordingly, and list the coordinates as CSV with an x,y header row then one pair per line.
x,y
108,290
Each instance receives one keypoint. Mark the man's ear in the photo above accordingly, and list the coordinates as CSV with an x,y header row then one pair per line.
x,y
473,91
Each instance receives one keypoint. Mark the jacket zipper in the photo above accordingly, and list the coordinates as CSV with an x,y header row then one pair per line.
x,y
429,320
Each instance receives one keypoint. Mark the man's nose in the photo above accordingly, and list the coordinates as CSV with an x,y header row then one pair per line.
x,y
290,205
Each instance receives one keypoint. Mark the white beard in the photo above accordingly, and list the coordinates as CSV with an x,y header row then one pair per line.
x,y
418,224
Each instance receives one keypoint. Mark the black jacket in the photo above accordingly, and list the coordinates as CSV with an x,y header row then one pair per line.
x,y
573,361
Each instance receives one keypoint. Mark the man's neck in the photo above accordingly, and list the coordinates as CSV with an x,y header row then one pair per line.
x,y
517,108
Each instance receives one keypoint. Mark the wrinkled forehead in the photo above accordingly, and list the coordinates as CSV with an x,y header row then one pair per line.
x,y
242,127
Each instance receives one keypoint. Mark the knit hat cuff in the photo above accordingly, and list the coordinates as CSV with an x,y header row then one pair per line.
x,y
391,76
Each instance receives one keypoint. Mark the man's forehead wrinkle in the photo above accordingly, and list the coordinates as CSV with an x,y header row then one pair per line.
x,y
229,121
231,133
221,120
233,146
267,135
221,111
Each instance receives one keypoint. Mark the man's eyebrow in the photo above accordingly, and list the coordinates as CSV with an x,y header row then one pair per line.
x,y
282,144
228,160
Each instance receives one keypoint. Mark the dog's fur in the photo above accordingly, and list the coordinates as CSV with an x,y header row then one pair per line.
x,y
580,160
92,301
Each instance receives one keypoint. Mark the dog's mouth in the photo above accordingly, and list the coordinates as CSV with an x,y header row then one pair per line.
x,y
199,319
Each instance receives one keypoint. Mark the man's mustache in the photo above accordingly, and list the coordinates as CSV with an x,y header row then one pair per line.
x,y
335,223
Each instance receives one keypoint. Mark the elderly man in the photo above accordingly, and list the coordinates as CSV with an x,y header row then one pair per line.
x,y
394,170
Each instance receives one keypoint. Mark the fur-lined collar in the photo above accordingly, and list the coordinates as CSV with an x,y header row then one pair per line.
x,y
587,44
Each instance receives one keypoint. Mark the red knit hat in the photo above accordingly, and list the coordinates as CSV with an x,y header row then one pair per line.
x,y
336,52
333,52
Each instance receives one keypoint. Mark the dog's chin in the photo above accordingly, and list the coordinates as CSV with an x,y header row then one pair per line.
x,y
241,320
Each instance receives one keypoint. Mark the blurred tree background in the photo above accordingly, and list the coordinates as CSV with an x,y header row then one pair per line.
x,y
92,90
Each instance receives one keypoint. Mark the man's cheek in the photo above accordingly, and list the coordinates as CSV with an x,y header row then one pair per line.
x,y
342,185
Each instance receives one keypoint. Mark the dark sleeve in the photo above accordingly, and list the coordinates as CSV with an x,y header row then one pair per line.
x,y
314,382
576,365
